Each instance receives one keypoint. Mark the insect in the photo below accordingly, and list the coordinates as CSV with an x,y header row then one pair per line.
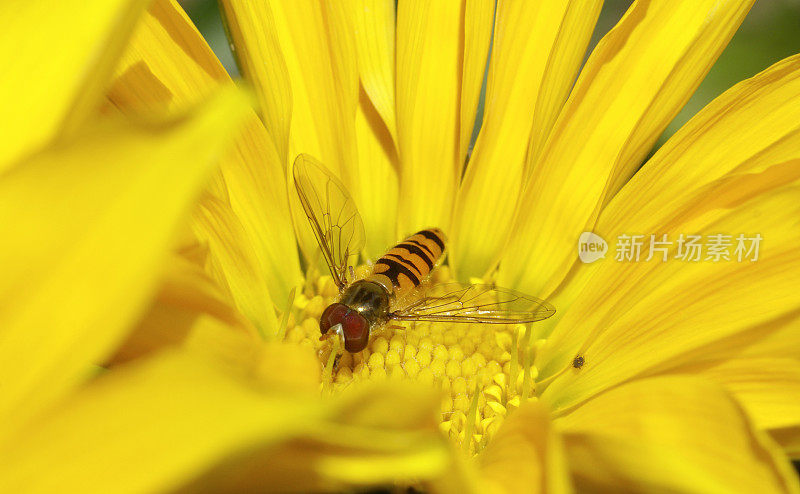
x,y
398,287
578,362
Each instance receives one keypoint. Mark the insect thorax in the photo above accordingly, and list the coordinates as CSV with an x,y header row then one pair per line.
x,y
370,299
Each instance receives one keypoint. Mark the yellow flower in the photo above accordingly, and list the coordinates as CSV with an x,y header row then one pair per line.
x,y
81,248
653,376
89,208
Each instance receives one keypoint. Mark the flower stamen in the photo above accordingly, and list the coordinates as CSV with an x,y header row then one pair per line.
x,y
476,366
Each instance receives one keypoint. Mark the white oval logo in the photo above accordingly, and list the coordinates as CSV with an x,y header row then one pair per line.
x,y
591,247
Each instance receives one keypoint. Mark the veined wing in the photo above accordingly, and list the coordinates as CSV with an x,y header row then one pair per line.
x,y
332,213
468,303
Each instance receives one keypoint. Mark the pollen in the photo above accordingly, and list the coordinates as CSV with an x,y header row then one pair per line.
x,y
484,371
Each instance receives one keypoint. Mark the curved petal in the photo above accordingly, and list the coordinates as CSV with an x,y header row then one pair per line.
x,y
377,182
750,127
234,264
373,22
701,164
538,47
657,315
767,388
85,227
268,366
635,81
429,79
186,293
478,27
169,64
373,175
317,42
268,440
671,434
258,54
319,51
526,455
44,94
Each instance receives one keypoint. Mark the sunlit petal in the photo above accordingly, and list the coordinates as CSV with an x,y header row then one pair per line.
x,y
377,179
168,399
373,22
169,64
658,315
764,110
478,25
258,54
45,94
85,227
767,388
324,81
527,455
635,81
671,435
537,49
429,78
235,264
186,293
367,52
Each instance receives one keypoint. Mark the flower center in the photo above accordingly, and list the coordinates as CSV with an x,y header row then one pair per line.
x,y
483,370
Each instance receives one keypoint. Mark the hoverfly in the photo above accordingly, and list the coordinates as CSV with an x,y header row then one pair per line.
x,y
398,287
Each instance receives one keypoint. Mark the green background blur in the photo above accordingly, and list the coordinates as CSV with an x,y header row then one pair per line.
x,y
769,33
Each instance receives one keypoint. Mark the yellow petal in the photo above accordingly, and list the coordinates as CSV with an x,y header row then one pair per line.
x,y
763,110
537,49
169,64
324,80
188,422
85,226
186,293
703,151
526,455
635,81
258,54
258,198
776,338
639,317
344,71
234,264
372,174
478,24
766,388
181,416
671,434
317,41
43,95
429,78
264,365
377,183
374,22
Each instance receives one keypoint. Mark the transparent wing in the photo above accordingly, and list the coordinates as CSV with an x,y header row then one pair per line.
x,y
462,302
332,214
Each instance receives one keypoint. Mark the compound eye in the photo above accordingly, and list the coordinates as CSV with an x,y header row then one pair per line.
x,y
356,332
331,316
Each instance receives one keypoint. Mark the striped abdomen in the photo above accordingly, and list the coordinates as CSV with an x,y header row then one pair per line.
x,y
409,262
